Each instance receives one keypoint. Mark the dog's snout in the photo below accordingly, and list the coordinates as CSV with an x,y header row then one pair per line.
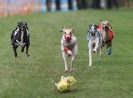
x,y
68,37
106,27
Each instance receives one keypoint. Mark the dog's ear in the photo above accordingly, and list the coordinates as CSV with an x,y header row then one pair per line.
x,y
109,21
72,30
96,25
61,30
90,25
26,25
63,27
18,24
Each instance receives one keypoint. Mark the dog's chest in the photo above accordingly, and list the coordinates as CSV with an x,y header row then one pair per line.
x,y
69,45
92,38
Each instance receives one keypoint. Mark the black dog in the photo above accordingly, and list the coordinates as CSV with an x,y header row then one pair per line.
x,y
20,37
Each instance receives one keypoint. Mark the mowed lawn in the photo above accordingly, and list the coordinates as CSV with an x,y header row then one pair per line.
x,y
34,76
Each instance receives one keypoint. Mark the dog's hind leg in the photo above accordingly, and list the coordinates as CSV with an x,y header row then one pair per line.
x,y
109,48
15,51
100,51
90,53
12,39
109,51
100,48
11,43
65,61
22,49
27,48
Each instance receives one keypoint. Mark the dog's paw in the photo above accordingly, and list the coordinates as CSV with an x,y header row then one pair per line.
x,y
28,55
69,52
66,70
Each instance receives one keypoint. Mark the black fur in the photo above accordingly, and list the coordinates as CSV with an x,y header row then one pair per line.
x,y
21,27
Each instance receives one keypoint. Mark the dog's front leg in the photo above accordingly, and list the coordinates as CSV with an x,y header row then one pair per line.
x,y
96,45
27,49
75,51
100,50
71,67
65,61
90,52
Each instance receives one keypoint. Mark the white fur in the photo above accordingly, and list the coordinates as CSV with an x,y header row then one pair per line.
x,y
72,52
90,46
16,32
97,40
21,42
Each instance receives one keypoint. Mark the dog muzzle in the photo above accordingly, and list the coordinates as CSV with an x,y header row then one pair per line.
x,y
68,37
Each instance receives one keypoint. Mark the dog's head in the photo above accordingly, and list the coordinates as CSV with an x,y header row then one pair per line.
x,y
67,33
105,25
92,29
22,25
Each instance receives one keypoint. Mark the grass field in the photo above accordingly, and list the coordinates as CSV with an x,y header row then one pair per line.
x,y
34,77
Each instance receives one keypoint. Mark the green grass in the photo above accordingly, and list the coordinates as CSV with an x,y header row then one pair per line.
x,y
34,77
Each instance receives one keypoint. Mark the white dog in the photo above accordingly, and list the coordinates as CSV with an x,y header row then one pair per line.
x,y
94,41
68,47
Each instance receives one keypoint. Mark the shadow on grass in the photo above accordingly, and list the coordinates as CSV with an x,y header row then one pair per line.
x,y
70,91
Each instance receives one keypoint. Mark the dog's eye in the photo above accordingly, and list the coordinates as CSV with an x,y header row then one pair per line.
x,y
65,33
70,33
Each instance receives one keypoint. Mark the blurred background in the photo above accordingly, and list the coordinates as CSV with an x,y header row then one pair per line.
x,y
14,7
